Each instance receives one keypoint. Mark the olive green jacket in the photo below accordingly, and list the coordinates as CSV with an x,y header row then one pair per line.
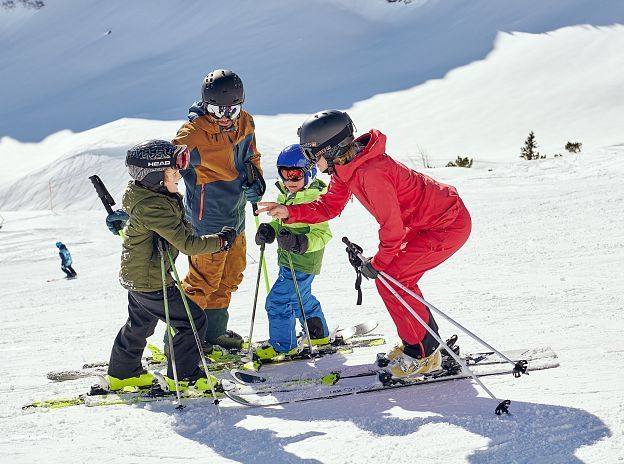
x,y
318,234
154,214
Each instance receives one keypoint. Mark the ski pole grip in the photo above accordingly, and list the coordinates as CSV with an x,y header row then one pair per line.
x,y
107,199
352,247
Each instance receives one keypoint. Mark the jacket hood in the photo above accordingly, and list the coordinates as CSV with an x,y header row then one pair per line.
x,y
374,143
136,193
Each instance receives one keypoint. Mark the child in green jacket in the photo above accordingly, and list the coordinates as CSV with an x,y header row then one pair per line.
x,y
154,211
305,243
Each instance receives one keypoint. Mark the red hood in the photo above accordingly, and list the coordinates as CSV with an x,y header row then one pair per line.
x,y
375,146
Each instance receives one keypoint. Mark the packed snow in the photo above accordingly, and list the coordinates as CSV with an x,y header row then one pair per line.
x,y
541,268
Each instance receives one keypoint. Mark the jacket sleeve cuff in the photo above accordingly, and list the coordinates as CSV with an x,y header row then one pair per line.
x,y
379,263
292,215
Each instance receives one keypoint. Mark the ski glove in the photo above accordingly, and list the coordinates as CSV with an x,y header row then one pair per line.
x,y
227,235
296,243
367,269
254,191
117,220
265,234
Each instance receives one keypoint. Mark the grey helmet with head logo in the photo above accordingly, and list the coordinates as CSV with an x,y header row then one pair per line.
x,y
328,133
148,160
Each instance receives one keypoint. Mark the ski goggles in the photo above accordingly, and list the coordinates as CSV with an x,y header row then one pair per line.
x,y
293,174
230,112
182,157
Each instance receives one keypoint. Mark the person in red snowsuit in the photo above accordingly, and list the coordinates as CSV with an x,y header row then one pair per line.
x,y
422,222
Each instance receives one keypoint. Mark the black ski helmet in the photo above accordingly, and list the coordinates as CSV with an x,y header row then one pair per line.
x,y
327,133
222,87
148,160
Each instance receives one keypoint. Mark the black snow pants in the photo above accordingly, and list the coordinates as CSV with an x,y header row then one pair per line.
x,y
144,311
69,271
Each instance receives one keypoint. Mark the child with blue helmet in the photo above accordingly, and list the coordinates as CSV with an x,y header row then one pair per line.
x,y
305,243
66,261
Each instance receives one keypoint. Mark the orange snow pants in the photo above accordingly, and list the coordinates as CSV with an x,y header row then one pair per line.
x,y
212,278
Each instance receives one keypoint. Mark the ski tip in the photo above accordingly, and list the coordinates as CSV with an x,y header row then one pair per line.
x,y
238,399
245,377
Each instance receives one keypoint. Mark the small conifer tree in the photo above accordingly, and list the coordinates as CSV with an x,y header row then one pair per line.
x,y
529,150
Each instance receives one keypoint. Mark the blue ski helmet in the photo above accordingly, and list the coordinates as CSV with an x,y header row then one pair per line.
x,y
59,244
292,157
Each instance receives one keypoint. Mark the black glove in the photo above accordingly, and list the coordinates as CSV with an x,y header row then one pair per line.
x,y
368,270
296,243
117,220
265,234
227,237
354,259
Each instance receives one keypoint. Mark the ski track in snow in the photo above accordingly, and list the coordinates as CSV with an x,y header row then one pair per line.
x,y
541,268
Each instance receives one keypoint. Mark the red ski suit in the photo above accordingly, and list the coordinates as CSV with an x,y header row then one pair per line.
x,y
421,222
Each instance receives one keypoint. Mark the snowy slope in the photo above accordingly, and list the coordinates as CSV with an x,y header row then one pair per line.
x,y
541,268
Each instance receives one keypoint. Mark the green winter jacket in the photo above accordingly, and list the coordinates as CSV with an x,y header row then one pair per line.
x,y
155,214
318,234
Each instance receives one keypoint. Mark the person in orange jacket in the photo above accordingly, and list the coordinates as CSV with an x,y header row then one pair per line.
x,y
422,223
225,175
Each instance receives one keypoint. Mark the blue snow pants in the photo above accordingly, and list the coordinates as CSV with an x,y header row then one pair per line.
x,y
283,309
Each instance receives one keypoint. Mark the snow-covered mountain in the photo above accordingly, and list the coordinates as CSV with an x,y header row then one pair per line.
x,y
78,65
440,78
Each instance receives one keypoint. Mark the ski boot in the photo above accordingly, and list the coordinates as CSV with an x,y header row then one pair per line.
x,y
383,359
404,367
229,340
266,352
108,383
199,383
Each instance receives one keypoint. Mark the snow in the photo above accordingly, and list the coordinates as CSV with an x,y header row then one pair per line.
x,y
542,266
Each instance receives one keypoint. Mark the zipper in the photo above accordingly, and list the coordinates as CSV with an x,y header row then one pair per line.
x,y
201,202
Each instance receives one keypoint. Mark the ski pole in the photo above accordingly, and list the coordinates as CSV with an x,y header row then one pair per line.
x,y
520,367
503,406
305,320
107,199
253,176
262,258
255,303
200,348
170,337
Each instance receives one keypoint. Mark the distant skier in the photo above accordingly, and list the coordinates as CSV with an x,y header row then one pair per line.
x,y
66,261
305,243
422,222
156,212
